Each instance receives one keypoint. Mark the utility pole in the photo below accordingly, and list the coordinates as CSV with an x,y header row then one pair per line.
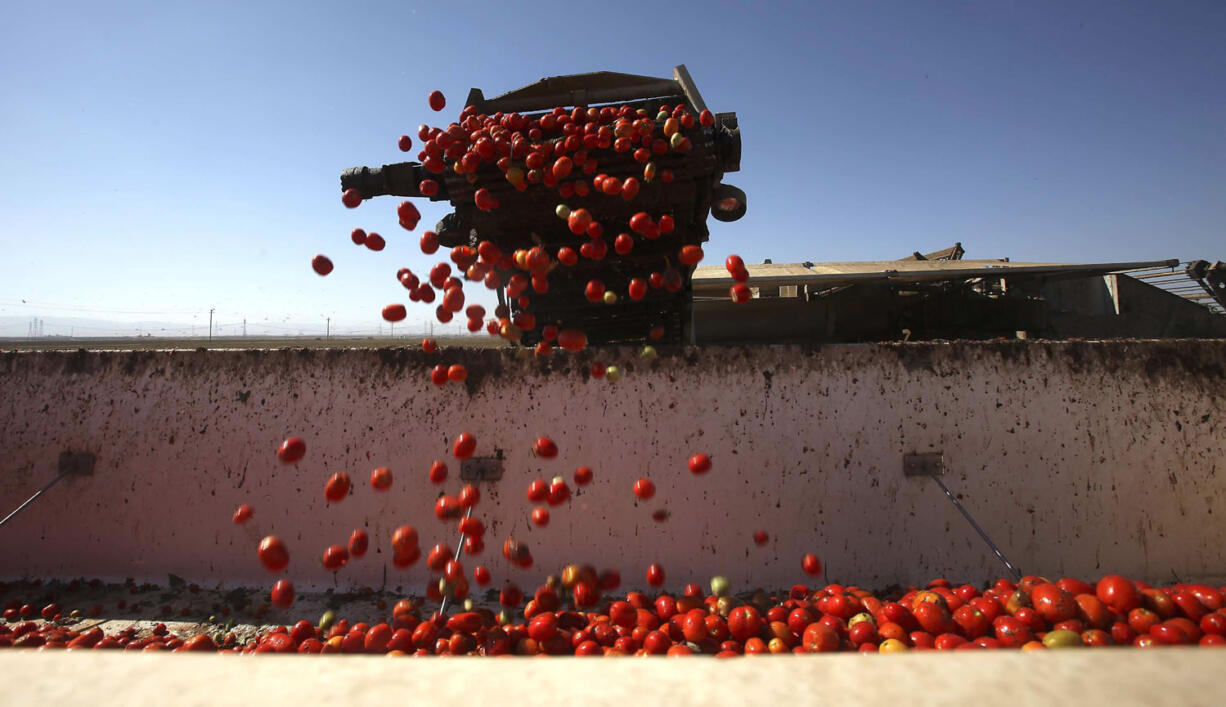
x,y
328,330
244,328
211,323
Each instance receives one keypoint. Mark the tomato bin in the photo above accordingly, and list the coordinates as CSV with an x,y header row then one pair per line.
x,y
639,186
622,493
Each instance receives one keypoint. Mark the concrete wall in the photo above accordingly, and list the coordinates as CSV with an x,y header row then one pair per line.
x,y
1078,458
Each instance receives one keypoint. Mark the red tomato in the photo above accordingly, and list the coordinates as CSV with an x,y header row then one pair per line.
x,y
469,496
291,450
381,478
335,557
810,564
447,508
1118,593
273,553
438,472
457,373
321,264
437,101
583,476
655,575
644,489
690,255
429,242
464,446
243,514
540,516
1053,603
351,198
760,537
538,491
337,487
394,312
404,539
359,540
375,242
700,463
545,448
282,595
481,575
438,375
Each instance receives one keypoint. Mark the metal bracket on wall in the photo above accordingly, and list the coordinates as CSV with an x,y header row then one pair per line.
x,y
932,465
481,468
923,464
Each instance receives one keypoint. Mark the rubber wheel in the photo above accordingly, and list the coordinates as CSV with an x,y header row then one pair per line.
x,y
727,191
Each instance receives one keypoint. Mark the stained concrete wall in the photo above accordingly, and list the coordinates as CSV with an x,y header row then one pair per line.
x,y
1078,458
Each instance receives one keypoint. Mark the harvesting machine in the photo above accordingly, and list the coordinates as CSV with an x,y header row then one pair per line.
x,y
687,184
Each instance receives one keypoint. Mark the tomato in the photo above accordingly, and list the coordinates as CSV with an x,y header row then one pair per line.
x,y
404,539
1189,605
438,472
282,595
337,487
437,101
700,463
243,513
464,446
1169,634
583,476
810,564
1053,603
1011,632
359,541
381,478
690,255
934,618
1214,624
291,450
394,312
351,198
745,622
335,557
559,492
540,516
538,491
469,496
545,448
457,373
321,264
447,508
429,242
644,489
1118,593
655,575
1092,611
375,242
273,553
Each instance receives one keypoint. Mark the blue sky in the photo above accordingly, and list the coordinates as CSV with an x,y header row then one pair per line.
x,y
161,159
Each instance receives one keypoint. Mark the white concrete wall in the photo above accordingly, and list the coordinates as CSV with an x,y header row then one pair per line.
x,y
1078,458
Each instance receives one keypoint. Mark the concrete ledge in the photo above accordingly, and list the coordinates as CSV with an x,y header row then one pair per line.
x,y
1094,676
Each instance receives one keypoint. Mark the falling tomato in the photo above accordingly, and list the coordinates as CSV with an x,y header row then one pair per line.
x,y
291,450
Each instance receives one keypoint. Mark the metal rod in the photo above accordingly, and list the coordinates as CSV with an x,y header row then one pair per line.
x,y
442,608
1017,574
30,500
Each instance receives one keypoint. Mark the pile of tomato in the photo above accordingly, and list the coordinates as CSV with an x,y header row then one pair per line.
x,y
1034,613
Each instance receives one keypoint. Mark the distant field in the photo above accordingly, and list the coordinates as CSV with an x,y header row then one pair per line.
x,y
149,343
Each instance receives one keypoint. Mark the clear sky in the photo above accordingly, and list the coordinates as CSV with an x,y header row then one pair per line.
x,y
164,158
